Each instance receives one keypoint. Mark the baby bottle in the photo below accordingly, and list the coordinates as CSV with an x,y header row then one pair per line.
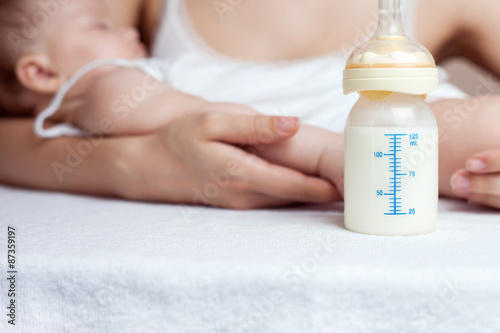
x,y
391,136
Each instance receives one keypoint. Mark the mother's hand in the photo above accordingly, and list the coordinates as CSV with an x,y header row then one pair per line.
x,y
479,182
194,160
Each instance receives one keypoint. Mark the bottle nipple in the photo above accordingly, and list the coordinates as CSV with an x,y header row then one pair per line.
x,y
390,60
390,47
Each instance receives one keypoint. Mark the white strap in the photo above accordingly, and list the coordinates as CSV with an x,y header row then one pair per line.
x,y
67,129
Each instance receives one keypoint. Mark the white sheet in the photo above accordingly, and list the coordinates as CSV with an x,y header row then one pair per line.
x,y
99,265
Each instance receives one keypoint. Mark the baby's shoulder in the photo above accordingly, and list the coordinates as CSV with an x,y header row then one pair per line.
x,y
120,79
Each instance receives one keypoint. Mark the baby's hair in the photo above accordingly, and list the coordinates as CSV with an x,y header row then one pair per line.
x,y
12,45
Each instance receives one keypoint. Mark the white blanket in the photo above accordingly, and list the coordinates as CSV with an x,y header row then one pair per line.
x,y
99,265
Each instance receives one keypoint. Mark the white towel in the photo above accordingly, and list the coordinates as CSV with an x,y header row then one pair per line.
x,y
100,265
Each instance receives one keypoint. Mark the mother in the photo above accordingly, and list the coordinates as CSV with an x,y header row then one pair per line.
x,y
174,164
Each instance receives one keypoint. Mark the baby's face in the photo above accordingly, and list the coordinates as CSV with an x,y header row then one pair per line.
x,y
83,31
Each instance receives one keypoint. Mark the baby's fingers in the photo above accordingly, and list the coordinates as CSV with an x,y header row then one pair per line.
x,y
485,162
478,189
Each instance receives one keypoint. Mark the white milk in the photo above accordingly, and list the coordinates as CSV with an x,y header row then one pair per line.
x,y
375,202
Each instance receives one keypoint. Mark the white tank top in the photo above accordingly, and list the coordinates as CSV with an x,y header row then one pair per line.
x,y
310,89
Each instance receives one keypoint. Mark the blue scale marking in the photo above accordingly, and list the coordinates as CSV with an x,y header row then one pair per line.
x,y
395,169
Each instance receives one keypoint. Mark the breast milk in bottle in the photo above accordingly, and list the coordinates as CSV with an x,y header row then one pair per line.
x,y
391,136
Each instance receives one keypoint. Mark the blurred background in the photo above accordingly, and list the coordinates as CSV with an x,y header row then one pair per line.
x,y
465,75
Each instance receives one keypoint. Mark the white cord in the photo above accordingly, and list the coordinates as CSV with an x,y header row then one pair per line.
x,y
67,129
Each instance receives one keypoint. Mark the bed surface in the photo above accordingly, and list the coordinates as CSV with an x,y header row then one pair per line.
x,y
102,265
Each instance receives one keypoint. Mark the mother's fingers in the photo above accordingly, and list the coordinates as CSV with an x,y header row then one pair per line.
x,y
485,200
477,188
253,201
203,159
256,175
247,129
485,162
292,185
460,183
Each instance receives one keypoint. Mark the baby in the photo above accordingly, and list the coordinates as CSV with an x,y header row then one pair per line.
x,y
40,68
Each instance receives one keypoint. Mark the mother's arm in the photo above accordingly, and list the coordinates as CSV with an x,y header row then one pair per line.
x,y
479,36
469,126
189,161
470,29
32,162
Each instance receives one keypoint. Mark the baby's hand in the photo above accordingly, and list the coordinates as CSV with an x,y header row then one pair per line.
x,y
479,182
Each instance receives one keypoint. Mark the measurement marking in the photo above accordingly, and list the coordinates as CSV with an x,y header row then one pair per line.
x,y
395,146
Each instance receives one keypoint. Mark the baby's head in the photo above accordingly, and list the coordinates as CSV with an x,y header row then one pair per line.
x,y
44,42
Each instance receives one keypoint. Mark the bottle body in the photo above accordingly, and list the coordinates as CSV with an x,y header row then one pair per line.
x,y
391,166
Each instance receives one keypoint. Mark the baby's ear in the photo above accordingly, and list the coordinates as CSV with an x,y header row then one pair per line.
x,y
34,73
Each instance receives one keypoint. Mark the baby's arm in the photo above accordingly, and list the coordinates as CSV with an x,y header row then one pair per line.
x,y
131,102
115,97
